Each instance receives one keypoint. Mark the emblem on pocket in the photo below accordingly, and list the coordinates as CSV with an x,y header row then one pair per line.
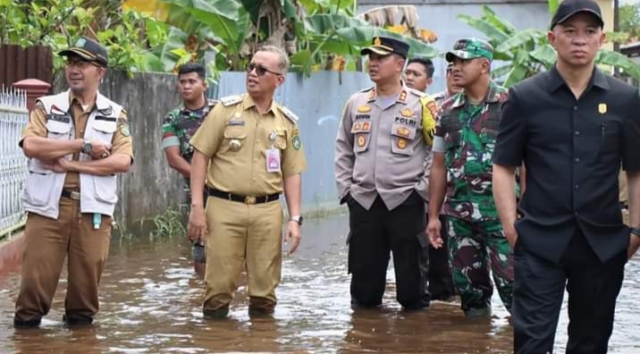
x,y
402,131
602,108
362,140
364,109
402,144
235,145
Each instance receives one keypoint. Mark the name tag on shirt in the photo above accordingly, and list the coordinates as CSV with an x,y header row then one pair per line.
x,y
273,160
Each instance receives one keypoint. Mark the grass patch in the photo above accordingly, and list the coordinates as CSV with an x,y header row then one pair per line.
x,y
170,223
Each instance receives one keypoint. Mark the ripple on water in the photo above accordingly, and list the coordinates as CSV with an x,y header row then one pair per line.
x,y
151,303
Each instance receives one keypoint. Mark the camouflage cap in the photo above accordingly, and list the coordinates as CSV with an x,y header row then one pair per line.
x,y
470,48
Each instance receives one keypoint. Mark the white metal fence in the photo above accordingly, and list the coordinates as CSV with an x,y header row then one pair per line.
x,y
13,164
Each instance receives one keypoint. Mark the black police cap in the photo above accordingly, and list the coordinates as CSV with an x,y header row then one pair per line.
x,y
386,46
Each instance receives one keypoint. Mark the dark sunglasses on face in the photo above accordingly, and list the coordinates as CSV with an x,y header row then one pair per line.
x,y
81,64
260,70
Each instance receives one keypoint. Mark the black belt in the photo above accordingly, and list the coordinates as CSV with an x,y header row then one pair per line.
x,y
242,198
69,194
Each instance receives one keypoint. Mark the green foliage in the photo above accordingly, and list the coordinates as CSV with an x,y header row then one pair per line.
x,y
170,223
59,23
322,30
630,19
528,52
553,6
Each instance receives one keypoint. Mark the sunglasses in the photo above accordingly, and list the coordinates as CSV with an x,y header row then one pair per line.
x,y
261,70
80,64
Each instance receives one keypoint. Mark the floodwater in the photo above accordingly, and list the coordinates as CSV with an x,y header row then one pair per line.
x,y
150,303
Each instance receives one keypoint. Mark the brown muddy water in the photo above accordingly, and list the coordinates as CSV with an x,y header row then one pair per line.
x,y
150,303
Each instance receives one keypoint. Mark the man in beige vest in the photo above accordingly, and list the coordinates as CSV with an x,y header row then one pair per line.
x,y
76,142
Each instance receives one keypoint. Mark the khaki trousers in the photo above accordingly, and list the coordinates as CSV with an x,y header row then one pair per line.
x,y
47,243
237,233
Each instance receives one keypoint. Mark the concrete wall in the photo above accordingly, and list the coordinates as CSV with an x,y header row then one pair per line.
x,y
442,18
151,187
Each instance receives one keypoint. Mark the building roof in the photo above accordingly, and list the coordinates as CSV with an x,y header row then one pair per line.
x,y
630,49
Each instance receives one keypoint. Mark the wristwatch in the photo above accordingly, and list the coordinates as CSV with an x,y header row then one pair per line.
x,y
87,147
635,231
297,218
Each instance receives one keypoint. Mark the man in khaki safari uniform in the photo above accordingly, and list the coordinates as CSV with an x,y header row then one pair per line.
x,y
76,142
253,151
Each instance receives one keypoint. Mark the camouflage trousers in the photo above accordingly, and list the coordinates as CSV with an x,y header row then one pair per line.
x,y
477,249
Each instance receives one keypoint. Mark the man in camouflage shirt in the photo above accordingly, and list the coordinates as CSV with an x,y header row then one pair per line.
x,y
178,128
450,90
462,169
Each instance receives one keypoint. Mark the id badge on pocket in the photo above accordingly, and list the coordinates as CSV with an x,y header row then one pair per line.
x,y
273,160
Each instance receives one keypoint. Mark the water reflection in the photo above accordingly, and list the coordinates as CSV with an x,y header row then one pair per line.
x,y
151,303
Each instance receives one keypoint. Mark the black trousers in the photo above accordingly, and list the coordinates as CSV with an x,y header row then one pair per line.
x,y
376,232
593,288
440,281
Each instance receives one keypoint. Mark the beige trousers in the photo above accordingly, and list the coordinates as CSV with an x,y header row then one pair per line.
x,y
240,233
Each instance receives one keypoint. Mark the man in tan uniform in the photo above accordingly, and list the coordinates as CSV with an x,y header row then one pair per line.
x,y
253,151
77,142
382,149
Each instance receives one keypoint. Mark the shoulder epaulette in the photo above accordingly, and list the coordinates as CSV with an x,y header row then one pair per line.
x,y
212,103
416,92
426,98
287,113
231,100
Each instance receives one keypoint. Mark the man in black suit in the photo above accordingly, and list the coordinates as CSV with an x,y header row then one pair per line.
x,y
572,126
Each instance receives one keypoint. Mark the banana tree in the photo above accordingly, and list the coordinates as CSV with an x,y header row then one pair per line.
x,y
342,35
528,52
212,25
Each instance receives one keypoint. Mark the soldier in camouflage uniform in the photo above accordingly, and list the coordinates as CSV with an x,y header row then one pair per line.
x,y
178,128
451,89
462,169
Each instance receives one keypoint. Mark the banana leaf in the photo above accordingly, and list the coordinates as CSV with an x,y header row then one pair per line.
x,y
302,61
498,73
495,34
515,75
359,33
544,55
553,6
617,60
522,38
493,19
252,7
324,6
